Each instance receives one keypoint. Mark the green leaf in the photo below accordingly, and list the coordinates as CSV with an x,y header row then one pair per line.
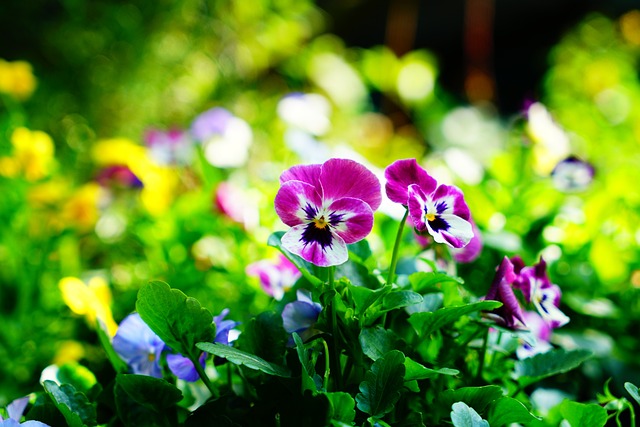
x,y
360,249
239,357
343,407
428,322
377,341
476,397
464,416
381,387
423,282
553,362
400,299
152,393
275,240
507,410
308,370
265,337
581,414
633,391
118,364
178,320
363,298
80,377
74,405
415,371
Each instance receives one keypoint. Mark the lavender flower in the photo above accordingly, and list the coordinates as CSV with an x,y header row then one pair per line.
x,y
436,208
139,346
572,174
300,316
541,331
15,410
169,147
327,206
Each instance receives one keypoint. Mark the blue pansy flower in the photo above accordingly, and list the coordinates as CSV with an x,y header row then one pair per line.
x,y
139,346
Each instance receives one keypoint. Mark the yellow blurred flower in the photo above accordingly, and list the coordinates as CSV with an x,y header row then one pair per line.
x,y
92,300
17,79
159,182
81,209
33,155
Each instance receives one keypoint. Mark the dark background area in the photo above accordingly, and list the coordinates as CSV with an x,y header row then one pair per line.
x,y
523,33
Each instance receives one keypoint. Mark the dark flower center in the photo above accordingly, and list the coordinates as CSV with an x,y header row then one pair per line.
x,y
314,233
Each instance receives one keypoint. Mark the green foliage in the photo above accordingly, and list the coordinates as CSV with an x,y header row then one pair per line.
x,y
77,410
464,416
427,323
243,358
551,363
178,320
581,414
382,385
506,411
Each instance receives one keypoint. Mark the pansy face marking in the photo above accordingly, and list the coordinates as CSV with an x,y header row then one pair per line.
x,y
327,207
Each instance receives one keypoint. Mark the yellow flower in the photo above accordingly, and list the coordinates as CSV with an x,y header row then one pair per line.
x,y
17,79
92,300
33,151
81,210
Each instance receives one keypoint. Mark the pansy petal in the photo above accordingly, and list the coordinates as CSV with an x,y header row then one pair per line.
x,y
16,408
183,368
305,173
299,315
323,252
449,199
351,219
417,203
347,178
31,423
472,250
401,174
451,230
297,202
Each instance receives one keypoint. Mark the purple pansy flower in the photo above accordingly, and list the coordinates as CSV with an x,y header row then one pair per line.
x,y
510,313
118,176
327,207
572,174
436,208
300,316
538,289
15,410
183,368
472,250
276,277
169,147
139,346
541,331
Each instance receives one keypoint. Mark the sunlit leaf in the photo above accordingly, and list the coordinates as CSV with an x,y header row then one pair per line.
x,y
506,411
464,416
550,363
239,357
416,371
426,323
74,405
581,414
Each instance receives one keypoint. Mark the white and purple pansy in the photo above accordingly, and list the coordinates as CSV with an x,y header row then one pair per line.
x,y
538,289
327,206
435,208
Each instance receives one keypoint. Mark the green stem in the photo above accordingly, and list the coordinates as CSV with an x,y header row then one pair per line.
x,y
334,328
483,353
633,414
327,371
203,376
396,249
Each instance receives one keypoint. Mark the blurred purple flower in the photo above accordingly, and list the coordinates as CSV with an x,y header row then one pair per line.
x,y
118,176
327,207
572,174
300,316
210,123
541,331
15,410
438,209
183,368
510,313
276,277
538,289
139,346
169,147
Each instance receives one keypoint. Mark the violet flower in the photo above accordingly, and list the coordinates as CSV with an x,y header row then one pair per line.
x,y
541,331
572,174
139,346
276,277
538,289
118,176
510,313
327,207
436,208
169,147
15,410
183,368
300,316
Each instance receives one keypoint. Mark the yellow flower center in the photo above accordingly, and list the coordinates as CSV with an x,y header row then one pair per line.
x,y
320,222
151,357
430,216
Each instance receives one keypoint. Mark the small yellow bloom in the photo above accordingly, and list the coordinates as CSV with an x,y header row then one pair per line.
x,y
81,210
17,79
92,300
34,152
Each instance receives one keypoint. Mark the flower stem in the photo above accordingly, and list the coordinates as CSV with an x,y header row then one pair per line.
x,y
334,328
396,249
203,376
483,353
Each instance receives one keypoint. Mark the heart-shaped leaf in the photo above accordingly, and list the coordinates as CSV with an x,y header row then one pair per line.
x,y
381,387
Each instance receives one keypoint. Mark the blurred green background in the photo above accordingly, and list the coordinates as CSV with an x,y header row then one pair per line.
x,y
486,95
